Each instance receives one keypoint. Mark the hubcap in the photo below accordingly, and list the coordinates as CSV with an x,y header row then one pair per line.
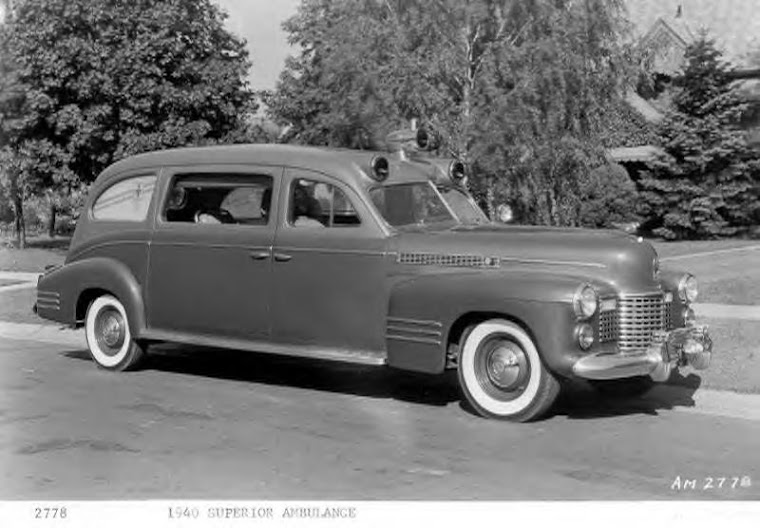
x,y
110,330
502,367
506,365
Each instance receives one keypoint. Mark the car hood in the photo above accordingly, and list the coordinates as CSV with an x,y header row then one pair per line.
x,y
623,261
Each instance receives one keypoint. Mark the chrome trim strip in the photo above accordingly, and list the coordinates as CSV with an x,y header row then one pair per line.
x,y
47,293
338,251
422,331
552,262
413,321
641,295
160,243
424,340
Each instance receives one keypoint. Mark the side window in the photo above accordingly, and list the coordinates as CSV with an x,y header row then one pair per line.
x,y
318,204
127,200
220,199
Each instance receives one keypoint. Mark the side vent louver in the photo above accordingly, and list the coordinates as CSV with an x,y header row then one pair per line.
x,y
457,261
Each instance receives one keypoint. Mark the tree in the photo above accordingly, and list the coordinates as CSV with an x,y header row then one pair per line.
x,y
103,79
609,198
516,89
709,184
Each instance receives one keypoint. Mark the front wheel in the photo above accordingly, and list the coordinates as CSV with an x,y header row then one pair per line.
x,y
108,336
501,373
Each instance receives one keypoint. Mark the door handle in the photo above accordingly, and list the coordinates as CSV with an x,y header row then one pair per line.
x,y
282,257
259,255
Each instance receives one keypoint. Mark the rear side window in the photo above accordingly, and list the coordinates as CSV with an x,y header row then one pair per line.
x,y
243,199
127,200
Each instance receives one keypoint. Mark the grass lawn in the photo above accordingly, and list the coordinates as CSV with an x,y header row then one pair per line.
x,y
690,247
41,252
724,278
16,307
735,363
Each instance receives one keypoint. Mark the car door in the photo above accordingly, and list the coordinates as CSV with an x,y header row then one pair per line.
x,y
210,257
329,267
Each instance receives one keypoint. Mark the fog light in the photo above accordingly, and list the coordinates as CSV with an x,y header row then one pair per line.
x,y
689,317
585,335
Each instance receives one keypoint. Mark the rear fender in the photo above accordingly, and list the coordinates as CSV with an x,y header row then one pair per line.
x,y
73,283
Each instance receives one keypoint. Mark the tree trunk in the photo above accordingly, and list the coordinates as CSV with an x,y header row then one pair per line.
x,y
51,222
18,206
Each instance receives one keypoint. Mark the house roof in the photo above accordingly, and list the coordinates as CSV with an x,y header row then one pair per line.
x,y
634,154
735,24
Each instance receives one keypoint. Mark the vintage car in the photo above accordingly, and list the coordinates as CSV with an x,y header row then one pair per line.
x,y
367,257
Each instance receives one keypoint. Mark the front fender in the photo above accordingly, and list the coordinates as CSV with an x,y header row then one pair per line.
x,y
68,283
424,309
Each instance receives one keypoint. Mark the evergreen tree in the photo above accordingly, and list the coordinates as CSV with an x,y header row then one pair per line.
x,y
709,183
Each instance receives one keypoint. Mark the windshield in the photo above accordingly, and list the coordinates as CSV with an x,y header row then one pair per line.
x,y
410,204
463,206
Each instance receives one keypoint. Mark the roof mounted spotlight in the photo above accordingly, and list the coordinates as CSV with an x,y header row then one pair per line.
x,y
426,140
420,139
457,171
379,168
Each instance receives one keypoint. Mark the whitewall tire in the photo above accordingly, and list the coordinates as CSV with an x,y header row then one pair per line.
x,y
501,373
108,336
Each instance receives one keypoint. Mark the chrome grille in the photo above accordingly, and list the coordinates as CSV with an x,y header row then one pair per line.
x,y
608,326
638,317
668,314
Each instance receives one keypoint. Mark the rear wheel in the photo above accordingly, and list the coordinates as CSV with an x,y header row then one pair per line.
x,y
501,373
108,336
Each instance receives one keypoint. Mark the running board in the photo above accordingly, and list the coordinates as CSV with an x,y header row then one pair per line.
x,y
362,357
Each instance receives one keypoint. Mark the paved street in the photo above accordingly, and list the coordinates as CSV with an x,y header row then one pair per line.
x,y
201,423
217,424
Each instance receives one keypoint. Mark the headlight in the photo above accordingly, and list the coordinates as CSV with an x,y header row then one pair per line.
x,y
585,302
688,289
585,335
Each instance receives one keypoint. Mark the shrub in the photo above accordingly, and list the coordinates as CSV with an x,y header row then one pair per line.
x,y
608,198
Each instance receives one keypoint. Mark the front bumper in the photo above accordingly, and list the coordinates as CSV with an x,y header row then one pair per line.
x,y
678,348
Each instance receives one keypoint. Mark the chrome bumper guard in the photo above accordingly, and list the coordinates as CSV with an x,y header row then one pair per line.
x,y
681,347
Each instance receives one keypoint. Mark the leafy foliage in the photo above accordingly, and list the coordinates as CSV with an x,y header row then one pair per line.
x,y
516,89
709,184
609,198
96,80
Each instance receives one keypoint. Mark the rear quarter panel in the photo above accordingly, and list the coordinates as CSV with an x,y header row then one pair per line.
x,y
107,255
